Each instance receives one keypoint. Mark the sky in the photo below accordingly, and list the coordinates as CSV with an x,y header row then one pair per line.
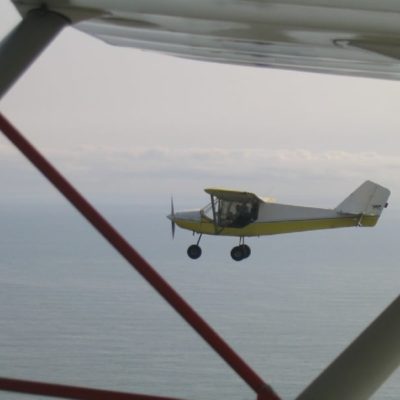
x,y
135,127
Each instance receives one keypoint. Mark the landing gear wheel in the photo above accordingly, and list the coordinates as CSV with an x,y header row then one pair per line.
x,y
237,253
194,251
246,250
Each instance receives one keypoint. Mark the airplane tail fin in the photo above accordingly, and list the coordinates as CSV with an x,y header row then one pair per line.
x,y
368,200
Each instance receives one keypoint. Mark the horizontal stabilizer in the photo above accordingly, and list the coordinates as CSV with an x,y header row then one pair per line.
x,y
369,199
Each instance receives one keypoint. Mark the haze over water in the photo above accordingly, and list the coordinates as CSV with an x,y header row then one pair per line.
x,y
73,312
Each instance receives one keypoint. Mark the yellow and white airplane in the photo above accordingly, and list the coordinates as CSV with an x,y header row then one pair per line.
x,y
244,214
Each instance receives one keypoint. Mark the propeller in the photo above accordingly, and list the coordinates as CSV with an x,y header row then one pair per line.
x,y
172,218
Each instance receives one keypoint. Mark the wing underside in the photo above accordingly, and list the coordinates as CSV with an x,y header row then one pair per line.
x,y
350,38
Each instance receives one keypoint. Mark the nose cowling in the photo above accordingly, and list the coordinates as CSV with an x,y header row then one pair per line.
x,y
184,219
193,215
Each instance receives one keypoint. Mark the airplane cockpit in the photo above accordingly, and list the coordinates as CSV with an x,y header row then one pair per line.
x,y
231,213
236,214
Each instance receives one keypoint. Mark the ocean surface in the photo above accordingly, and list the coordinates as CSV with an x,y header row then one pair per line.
x,y
73,312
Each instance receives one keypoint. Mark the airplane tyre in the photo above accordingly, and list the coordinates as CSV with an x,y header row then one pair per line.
x,y
246,250
194,251
237,253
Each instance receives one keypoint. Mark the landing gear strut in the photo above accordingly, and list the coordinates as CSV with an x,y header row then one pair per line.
x,y
194,250
240,252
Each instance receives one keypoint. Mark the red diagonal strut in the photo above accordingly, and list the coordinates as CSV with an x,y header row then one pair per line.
x,y
70,392
263,391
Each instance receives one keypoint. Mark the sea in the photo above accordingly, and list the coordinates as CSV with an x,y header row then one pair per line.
x,y
72,311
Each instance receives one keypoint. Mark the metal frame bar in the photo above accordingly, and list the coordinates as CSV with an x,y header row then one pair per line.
x,y
70,392
25,42
255,382
365,364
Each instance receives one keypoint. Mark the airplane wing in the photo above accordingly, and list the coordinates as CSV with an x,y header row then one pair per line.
x,y
352,37
232,195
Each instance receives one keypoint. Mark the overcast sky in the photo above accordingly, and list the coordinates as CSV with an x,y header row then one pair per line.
x,y
131,126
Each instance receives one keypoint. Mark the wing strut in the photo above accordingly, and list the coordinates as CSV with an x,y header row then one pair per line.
x,y
25,42
215,216
70,392
263,391
362,368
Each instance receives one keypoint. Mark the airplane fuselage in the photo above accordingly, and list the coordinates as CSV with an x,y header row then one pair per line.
x,y
275,219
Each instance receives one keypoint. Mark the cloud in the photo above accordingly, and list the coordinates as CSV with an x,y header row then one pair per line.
x,y
144,172
143,158
154,163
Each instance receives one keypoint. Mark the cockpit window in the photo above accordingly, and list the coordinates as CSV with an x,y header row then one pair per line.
x,y
207,211
236,214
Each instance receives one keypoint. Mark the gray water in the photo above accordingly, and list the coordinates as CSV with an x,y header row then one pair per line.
x,y
73,312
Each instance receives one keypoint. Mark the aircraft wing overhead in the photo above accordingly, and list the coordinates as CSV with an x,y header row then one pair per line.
x,y
353,37
232,195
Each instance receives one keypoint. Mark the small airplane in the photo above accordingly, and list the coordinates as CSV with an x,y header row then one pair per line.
x,y
244,214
